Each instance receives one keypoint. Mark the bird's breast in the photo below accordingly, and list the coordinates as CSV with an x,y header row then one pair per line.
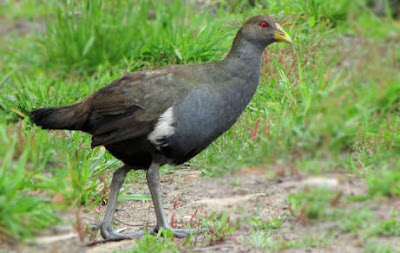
x,y
202,116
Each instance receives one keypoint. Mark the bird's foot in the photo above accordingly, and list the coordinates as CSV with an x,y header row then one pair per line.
x,y
110,235
182,233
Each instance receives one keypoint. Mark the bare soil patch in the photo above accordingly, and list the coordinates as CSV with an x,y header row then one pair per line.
x,y
241,195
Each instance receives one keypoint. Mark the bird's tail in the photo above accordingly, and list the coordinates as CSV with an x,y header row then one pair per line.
x,y
71,117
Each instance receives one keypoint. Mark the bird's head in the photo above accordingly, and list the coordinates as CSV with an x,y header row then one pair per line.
x,y
262,31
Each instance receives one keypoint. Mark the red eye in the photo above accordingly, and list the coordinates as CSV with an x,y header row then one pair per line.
x,y
264,24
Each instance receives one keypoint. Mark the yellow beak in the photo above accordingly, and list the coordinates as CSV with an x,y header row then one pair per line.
x,y
281,36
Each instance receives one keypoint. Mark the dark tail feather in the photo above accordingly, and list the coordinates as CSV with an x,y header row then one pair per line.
x,y
71,117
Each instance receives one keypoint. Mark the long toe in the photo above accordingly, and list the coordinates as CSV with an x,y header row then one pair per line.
x,y
182,233
111,235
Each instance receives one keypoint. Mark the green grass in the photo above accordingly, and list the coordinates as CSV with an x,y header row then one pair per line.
x,y
330,102
141,34
266,225
160,243
384,183
262,240
219,227
319,205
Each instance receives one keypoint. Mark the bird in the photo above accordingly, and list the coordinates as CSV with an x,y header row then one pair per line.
x,y
167,115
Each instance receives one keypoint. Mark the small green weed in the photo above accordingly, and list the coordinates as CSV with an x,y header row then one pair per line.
x,y
356,220
384,183
263,240
163,242
265,225
260,239
218,227
384,228
374,246
314,203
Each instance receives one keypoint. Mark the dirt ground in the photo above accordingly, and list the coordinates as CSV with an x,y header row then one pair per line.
x,y
241,195
247,193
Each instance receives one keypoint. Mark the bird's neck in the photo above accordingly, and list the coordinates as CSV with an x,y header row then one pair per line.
x,y
241,68
245,56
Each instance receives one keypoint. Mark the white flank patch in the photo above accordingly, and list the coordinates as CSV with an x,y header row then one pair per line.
x,y
163,128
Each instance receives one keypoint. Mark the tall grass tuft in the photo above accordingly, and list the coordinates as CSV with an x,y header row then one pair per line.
x,y
22,212
140,33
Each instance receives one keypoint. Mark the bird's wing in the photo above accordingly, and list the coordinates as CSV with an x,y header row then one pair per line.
x,y
130,106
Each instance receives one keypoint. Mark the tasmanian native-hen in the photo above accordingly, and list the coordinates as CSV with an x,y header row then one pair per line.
x,y
167,115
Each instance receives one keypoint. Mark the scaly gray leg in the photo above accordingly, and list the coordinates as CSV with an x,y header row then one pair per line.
x,y
153,181
106,228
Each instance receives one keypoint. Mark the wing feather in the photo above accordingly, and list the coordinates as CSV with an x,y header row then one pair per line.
x,y
130,106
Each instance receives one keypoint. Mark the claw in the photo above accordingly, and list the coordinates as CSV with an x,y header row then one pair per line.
x,y
121,230
108,234
182,233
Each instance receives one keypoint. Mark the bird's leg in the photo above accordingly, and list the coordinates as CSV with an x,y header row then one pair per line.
x,y
153,180
106,228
